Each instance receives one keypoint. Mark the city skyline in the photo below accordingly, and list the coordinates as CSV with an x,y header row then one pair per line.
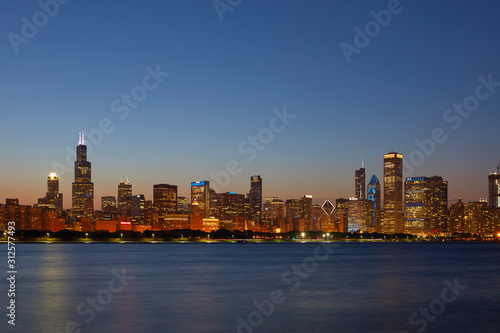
x,y
124,193
212,84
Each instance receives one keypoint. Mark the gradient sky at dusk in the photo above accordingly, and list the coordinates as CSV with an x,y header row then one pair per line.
x,y
225,79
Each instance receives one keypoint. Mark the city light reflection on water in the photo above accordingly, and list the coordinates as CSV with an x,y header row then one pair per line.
x,y
362,287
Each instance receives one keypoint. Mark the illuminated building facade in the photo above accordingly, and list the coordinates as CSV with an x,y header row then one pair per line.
x,y
393,193
457,219
357,214
52,199
200,192
438,204
230,204
108,203
182,205
124,198
494,189
417,205
342,214
255,198
373,217
83,188
306,202
165,198
360,183
137,208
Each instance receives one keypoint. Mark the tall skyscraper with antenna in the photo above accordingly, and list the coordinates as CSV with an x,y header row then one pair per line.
x,y
125,198
360,182
83,188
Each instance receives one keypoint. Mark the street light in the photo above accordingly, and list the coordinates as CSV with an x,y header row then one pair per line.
x,y
303,234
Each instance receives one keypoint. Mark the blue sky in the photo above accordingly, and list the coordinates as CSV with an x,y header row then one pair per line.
x,y
226,77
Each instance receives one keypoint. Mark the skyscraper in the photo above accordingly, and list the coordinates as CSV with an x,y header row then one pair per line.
x,y
230,204
494,189
393,193
457,221
108,203
306,201
357,214
342,214
255,198
439,204
125,198
83,188
52,199
165,198
360,183
200,192
417,205
373,197
137,208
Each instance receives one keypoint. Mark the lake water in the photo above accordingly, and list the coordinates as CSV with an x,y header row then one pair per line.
x,y
265,287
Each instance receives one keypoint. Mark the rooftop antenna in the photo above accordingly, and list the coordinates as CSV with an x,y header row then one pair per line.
x,y
498,168
121,179
362,162
81,137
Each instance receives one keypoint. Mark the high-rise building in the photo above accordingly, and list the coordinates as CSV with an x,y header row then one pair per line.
x,y
52,199
393,193
417,205
125,198
360,183
230,204
200,192
475,216
438,204
20,214
108,203
306,201
137,208
457,221
342,214
293,208
255,198
494,189
373,205
165,198
357,214
83,188
182,205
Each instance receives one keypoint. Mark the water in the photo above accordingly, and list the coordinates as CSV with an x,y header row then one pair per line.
x,y
359,287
